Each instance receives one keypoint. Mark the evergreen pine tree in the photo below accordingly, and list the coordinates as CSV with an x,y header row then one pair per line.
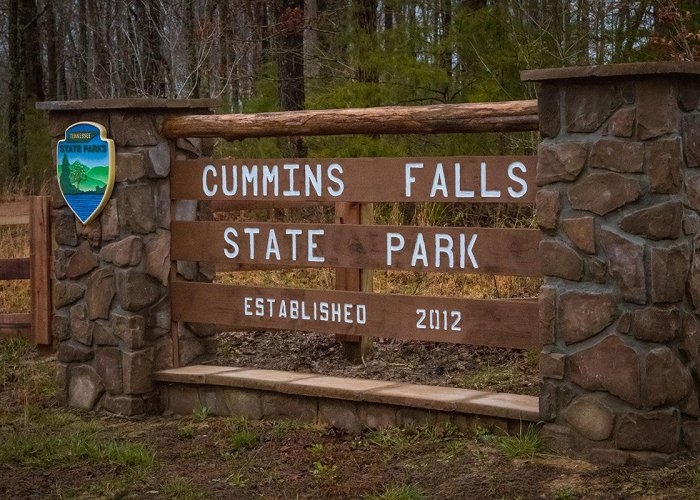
x,y
65,174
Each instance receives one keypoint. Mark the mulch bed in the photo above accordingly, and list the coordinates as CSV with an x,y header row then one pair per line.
x,y
497,369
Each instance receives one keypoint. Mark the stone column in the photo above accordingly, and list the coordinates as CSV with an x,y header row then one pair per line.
x,y
618,202
111,290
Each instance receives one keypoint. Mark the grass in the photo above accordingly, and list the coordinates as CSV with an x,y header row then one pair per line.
x,y
241,437
324,472
490,378
524,444
565,494
45,437
181,488
78,442
400,492
390,437
281,428
237,480
186,431
201,413
453,449
695,477
28,378
316,449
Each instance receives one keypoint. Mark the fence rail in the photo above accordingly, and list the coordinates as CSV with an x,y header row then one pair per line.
x,y
35,212
14,212
509,116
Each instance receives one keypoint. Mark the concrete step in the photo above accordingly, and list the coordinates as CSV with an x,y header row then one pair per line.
x,y
251,392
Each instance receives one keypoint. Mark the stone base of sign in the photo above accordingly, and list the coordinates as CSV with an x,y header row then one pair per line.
x,y
619,204
112,323
344,403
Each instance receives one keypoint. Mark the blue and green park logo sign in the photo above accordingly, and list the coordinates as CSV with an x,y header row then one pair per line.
x,y
85,169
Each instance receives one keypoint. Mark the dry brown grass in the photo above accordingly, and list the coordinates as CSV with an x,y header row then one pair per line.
x,y
14,294
396,282
19,189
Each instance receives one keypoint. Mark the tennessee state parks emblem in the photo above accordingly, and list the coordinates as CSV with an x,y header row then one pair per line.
x,y
85,169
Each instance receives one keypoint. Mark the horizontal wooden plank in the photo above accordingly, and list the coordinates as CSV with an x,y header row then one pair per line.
x,y
441,249
15,320
10,332
498,323
470,179
507,116
233,205
14,212
14,269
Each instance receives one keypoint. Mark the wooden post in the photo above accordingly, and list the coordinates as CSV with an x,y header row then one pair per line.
x,y
40,267
355,347
174,325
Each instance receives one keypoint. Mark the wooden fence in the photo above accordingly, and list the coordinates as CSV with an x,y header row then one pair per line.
x,y
36,212
354,247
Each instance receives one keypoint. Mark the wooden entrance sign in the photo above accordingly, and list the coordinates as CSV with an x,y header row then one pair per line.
x,y
444,249
487,179
350,311
506,322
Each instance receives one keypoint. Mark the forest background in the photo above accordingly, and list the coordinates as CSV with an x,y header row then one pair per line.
x,y
257,55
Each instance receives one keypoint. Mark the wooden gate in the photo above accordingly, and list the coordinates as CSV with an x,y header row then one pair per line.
x,y
36,212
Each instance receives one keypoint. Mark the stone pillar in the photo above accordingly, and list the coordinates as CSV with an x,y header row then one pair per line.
x,y
618,202
111,277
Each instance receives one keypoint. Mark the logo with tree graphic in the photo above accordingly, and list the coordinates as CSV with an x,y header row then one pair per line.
x,y
85,169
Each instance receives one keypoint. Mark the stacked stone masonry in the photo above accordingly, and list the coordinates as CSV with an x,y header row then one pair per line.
x,y
619,203
112,319
345,403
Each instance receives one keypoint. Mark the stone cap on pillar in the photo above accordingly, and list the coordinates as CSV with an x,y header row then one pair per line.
x,y
612,71
127,103
133,121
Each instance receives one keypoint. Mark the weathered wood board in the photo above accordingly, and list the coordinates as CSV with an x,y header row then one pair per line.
x,y
499,323
14,212
40,268
441,249
472,179
14,269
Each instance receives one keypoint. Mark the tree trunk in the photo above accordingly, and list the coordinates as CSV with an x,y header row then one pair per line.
x,y
99,74
290,66
51,51
191,46
366,14
16,108
445,32
83,50
311,62
151,81
31,40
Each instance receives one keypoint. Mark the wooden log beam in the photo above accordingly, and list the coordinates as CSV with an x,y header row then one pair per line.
x,y
14,269
508,116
